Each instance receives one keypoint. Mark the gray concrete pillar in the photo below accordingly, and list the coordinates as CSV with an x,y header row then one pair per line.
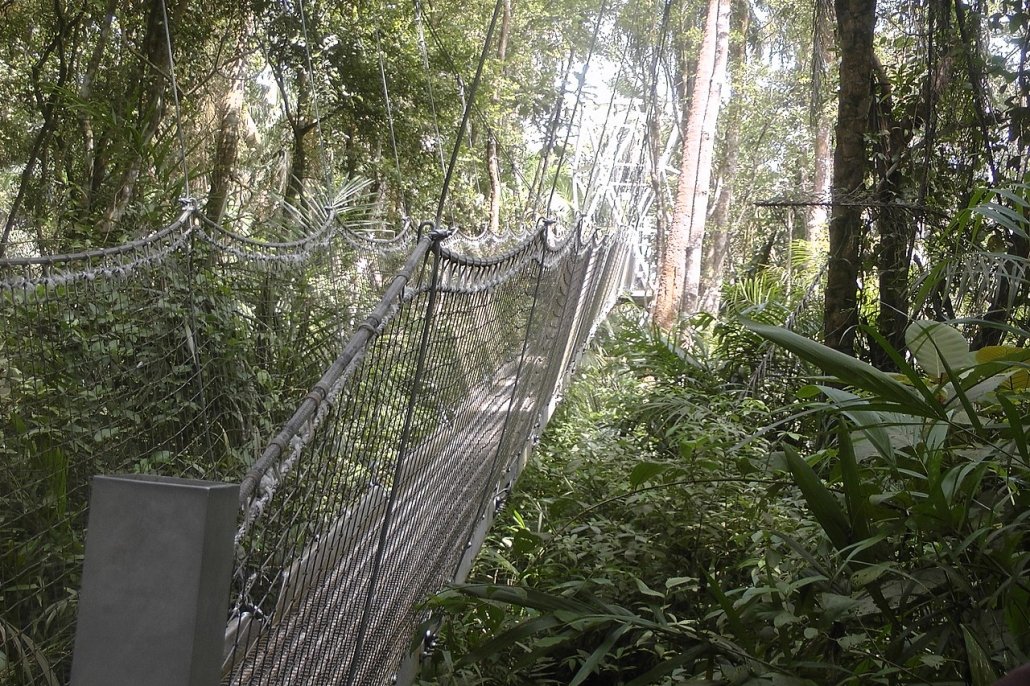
x,y
155,585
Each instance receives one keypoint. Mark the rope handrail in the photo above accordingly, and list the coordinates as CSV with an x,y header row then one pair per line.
x,y
481,345
99,253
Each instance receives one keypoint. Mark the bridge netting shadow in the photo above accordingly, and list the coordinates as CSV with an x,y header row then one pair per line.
x,y
374,396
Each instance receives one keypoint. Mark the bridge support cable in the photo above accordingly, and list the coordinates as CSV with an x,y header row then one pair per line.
x,y
467,111
575,107
375,507
418,379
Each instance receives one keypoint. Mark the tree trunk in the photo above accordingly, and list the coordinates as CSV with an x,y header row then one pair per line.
x,y
658,185
717,240
492,163
679,273
49,106
818,213
85,93
895,227
157,66
294,195
227,145
855,20
822,52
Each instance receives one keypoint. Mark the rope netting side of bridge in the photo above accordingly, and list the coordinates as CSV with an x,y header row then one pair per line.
x,y
180,354
367,501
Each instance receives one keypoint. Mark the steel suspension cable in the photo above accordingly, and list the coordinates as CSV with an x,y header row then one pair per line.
x,y
604,127
424,52
186,198
476,111
467,110
579,98
389,119
323,150
533,198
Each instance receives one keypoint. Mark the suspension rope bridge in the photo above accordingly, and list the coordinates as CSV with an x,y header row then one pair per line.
x,y
425,364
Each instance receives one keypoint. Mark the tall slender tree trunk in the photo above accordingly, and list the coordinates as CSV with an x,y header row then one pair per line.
x,y
152,106
679,273
717,239
822,52
230,112
85,93
855,21
492,163
294,195
49,107
894,225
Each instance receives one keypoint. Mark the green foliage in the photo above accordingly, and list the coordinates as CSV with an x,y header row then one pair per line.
x,y
610,545
655,545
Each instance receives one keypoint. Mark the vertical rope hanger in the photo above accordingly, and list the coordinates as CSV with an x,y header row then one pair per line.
x,y
323,151
467,111
190,205
533,197
389,118
445,54
424,52
187,199
587,199
651,106
575,107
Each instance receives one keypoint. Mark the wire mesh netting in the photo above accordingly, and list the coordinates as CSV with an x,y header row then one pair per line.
x,y
376,487
179,355
182,353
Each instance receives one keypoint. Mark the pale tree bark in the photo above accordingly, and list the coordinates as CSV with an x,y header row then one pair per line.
x,y
822,53
855,21
227,138
492,163
226,148
679,272
717,238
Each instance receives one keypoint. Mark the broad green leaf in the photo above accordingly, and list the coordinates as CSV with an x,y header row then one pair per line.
x,y
937,347
669,666
980,668
644,472
501,642
854,492
867,575
848,369
1017,379
732,616
591,663
835,605
823,504
647,590
1015,424
674,581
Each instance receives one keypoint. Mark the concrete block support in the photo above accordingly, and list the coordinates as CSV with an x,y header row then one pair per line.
x,y
155,585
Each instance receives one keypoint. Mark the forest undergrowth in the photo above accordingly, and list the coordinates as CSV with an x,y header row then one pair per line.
x,y
695,516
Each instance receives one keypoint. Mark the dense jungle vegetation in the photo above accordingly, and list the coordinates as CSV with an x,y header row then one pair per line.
x,y
805,463
706,509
